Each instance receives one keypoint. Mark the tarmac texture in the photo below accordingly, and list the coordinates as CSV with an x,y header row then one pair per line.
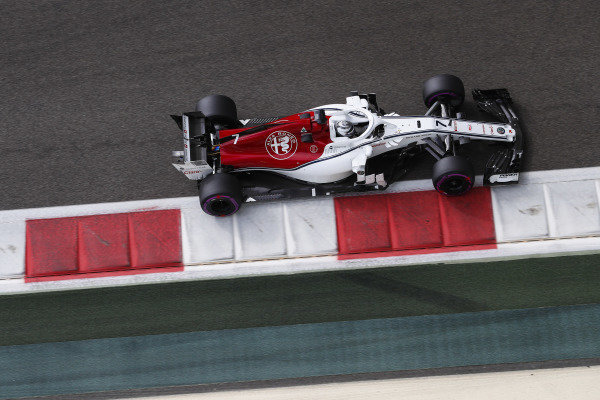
x,y
88,86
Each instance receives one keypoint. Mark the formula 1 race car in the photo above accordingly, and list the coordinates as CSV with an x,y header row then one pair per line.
x,y
338,148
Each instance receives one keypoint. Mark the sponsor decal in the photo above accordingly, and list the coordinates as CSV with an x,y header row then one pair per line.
x,y
329,150
281,145
502,178
501,130
314,148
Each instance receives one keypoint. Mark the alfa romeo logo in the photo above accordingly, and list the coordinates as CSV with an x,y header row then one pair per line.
x,y
281,145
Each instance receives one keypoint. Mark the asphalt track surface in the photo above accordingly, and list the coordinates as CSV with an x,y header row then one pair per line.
x,y
87,87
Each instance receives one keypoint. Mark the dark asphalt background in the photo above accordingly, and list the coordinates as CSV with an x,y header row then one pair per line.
x,y
87,86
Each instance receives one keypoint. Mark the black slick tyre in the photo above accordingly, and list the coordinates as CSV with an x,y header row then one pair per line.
x,y
220,194
445,88
453,176
220,109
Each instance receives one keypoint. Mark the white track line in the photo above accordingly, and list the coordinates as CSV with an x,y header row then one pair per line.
x,y
576,383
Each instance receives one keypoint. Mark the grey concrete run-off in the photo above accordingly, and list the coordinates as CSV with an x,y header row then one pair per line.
x,y
87,86
332,348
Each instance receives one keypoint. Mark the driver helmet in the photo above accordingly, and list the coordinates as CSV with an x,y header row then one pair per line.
x,y
344,128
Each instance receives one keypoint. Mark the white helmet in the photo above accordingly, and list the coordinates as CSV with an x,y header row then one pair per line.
x,y
344,128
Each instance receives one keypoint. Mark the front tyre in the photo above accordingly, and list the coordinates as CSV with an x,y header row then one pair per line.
x,y
453,176
220,194
445,88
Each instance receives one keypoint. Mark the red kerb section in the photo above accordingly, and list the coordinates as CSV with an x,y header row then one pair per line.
x,y
103,245
414,223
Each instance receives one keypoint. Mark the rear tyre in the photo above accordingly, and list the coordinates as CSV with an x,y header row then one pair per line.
x,y
453,176
446,88
221,110
220,194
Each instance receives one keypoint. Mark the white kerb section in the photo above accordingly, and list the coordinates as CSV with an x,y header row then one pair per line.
x,y
12,248
549,205
261,231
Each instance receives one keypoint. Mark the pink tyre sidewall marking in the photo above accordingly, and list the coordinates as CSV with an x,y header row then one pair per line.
x,y
219,196
445,178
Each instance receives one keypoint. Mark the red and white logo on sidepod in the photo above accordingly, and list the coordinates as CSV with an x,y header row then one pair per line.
x,y
281,145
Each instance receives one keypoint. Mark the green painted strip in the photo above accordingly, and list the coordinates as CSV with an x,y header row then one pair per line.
x,y
492,337
304,298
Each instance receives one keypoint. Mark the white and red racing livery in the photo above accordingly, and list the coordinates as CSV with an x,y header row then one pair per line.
x,y
335,148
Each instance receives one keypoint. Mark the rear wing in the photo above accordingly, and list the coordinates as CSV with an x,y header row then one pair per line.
x,y
504,166
194,161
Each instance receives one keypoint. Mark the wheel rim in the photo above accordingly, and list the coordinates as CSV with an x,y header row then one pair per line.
x,y
454,184
220,205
